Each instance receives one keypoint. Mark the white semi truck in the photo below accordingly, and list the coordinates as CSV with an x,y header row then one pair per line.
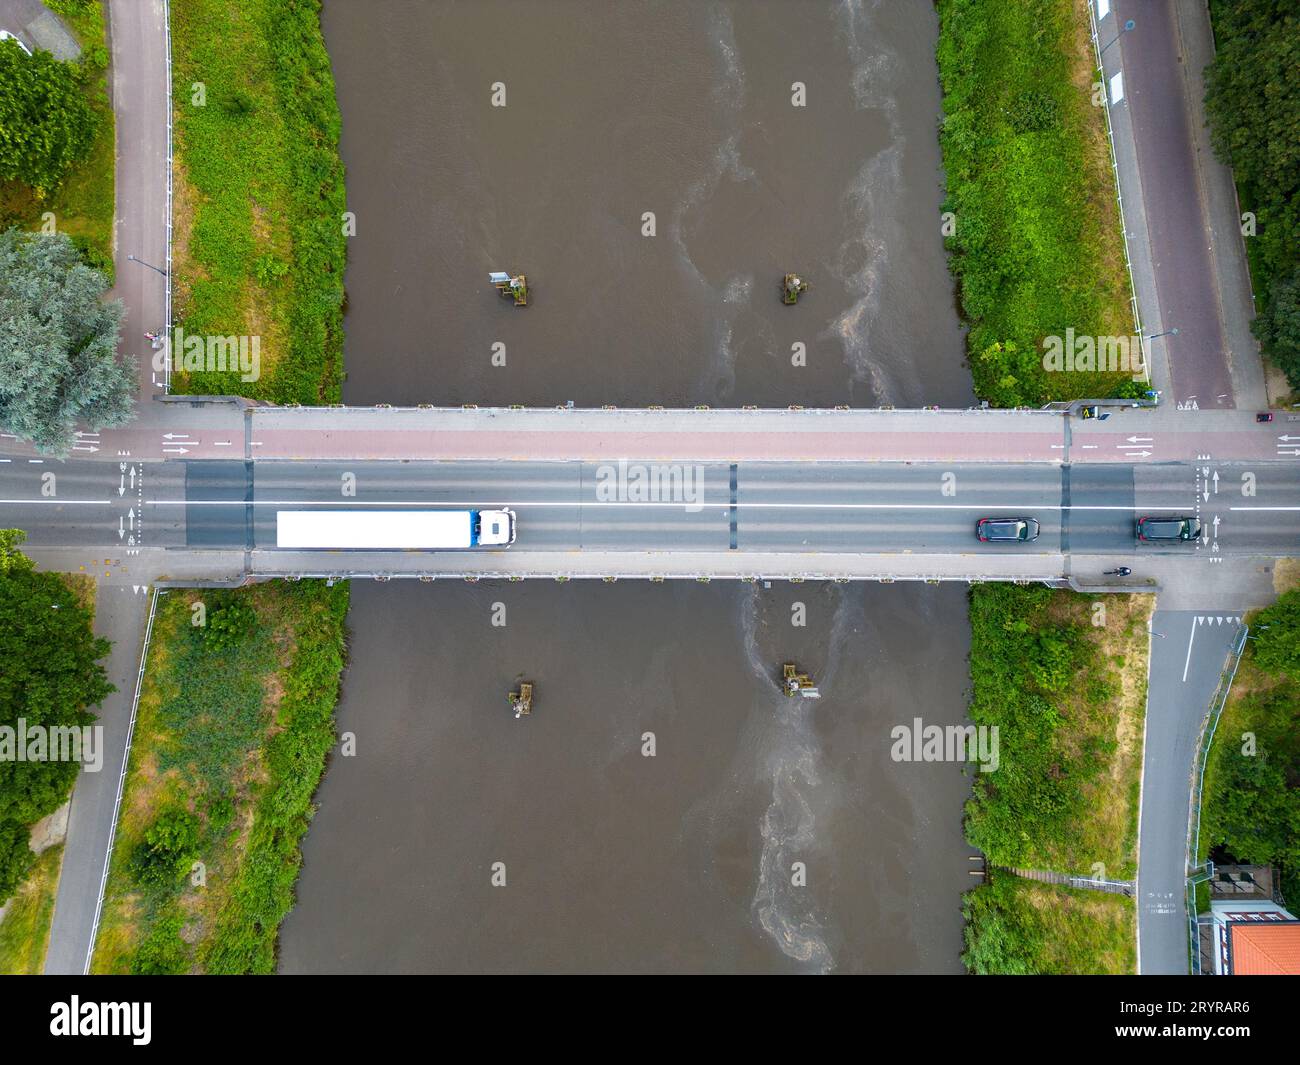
x,y
393,529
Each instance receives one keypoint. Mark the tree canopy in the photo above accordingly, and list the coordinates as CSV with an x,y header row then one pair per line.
x,y
58,344
1252,100
46,122
50,674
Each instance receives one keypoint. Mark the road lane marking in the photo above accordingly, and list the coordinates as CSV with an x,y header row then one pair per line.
x,y
1191,636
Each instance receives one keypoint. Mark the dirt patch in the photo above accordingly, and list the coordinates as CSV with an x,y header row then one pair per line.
x,y
185,271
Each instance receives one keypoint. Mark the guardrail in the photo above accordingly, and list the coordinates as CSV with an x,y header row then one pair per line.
x,y
1196,874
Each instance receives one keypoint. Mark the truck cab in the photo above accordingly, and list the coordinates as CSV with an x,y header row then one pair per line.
x,y
494,528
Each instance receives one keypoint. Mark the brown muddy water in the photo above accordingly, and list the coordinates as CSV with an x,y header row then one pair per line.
x,y
615,860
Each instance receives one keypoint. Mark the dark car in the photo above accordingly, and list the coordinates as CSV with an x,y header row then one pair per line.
x,y
999,530
1175,528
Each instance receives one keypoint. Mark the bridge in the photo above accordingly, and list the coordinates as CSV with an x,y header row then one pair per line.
x,y
189,492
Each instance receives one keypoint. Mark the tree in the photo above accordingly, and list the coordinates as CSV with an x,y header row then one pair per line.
x,y
58,345
50,675
46,122
1277,636
1278,324
1252,101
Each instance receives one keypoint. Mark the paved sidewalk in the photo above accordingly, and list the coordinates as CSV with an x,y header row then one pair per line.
x,y
38,27
120,616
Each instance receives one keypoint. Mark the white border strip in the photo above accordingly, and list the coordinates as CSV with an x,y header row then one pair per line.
x,y
167,314
121,781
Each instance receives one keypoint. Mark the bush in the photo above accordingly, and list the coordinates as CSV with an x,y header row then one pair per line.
x,y
163,856
16,857
46,122
229,626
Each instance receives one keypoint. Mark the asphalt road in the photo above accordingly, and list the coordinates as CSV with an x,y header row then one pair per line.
x,y
1187,654
834,508
1174,200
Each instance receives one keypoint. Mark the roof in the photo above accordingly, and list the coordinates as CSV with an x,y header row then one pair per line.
x,y
1265,948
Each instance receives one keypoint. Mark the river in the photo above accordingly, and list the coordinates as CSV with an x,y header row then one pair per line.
x,y
665,808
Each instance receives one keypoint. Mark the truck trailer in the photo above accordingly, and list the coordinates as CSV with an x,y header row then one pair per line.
x,y
393,529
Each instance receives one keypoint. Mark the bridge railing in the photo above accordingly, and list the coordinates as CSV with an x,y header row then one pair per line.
x,y
652,409
551,575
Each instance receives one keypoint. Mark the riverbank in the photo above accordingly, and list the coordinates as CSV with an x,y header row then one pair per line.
x,y
258,218
1033,225
1022,927
1062,677
236,719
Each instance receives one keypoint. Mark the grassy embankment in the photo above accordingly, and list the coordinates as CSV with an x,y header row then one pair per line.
x,y
1068,697
1038,245
259,248
1023,927
25,930
83,204
235,722
1251,798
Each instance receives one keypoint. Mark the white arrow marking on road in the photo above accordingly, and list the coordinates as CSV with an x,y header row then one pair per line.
x,y
1280,451
176,451
132,478
121,527
1216,485
176,436
1138,439
1284,437
121,485
131,515
1137,454
78,447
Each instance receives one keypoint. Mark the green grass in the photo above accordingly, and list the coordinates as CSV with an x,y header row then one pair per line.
x,y
259,247
1068,698
1037,247
25,930
83,204
237,737
1023,927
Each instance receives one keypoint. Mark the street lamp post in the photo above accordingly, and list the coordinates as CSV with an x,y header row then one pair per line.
x,y
150,265
1127,26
